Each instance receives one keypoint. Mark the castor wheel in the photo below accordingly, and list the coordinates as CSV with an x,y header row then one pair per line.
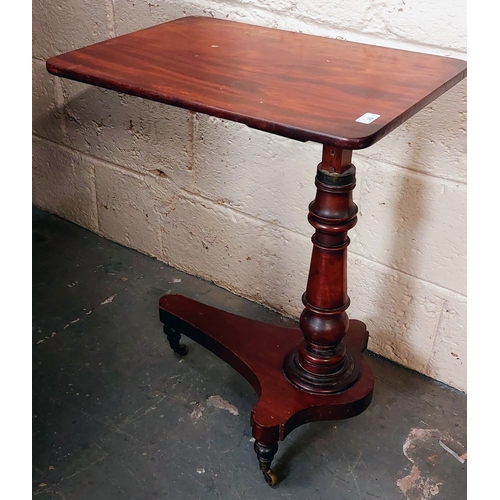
x,y
174,338
265,454
182,350
270,477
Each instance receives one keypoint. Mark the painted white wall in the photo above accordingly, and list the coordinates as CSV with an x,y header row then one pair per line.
x,y
228,203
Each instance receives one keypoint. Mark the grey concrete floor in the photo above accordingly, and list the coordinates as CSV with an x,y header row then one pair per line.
x,y
116,415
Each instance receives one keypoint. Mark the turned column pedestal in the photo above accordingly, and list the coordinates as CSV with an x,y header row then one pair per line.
x,y
320,363
313,373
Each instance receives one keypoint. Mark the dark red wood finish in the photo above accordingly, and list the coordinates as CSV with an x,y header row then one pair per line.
x,y
299,86
256,350
320,363
305,88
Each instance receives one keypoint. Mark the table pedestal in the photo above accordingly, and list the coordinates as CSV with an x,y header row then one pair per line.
x,y
315,372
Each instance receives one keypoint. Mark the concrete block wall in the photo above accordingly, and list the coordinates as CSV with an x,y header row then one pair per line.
x,y
228,203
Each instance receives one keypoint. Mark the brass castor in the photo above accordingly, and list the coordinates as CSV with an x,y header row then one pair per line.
x,y
270,477
174,338
265,455
182,350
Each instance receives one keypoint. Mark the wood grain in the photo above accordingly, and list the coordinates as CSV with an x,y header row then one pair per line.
x,y
299,86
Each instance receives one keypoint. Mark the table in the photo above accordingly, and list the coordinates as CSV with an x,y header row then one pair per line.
x,y
344,95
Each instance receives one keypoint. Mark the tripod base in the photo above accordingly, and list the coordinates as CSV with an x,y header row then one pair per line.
x,y
256,350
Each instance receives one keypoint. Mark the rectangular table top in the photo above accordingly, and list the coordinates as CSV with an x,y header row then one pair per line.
x,y
304,87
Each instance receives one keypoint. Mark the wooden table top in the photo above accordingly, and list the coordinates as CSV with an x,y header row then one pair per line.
x,y
299,86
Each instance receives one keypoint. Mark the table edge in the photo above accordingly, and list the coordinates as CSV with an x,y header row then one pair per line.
x,y
274,127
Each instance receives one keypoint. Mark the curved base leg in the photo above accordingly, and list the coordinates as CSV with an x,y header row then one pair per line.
x,y
256,350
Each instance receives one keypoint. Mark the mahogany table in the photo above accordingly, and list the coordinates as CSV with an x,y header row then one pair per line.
x,y
343,95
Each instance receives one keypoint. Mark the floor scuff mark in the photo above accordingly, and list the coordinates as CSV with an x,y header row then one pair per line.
x,y
108,300
72,323
461,458
214,401
217,402
196,414
415,487
424,448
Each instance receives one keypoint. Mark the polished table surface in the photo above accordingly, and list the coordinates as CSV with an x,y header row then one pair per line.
x,y
299,86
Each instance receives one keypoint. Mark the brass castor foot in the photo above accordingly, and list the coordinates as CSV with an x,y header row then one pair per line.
x,y
174,338
270,477
265,455
182,350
